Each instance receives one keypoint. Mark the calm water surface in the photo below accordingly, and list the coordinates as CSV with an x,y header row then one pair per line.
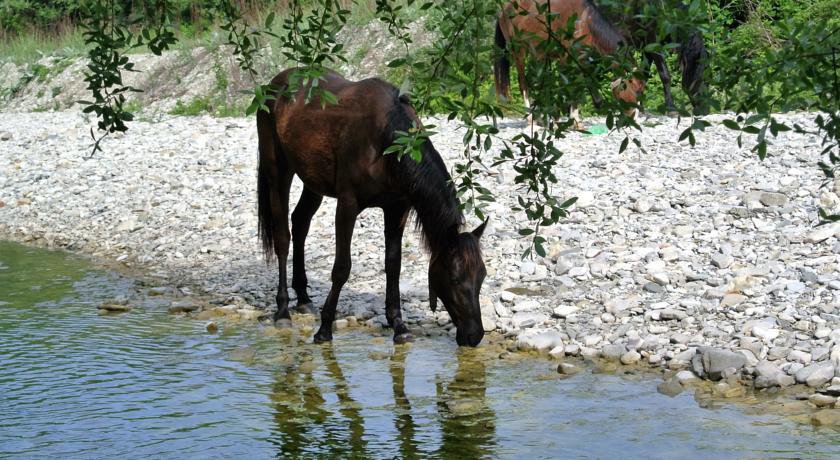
x,y
74,384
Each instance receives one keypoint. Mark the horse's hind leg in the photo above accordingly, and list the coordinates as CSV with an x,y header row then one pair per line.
x,y
395,218
301,218
345,220
519,60
280,209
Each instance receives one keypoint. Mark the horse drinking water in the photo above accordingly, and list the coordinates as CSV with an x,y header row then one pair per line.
x,y
525,21
337,150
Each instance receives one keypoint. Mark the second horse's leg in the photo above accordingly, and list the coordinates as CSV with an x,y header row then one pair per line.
x,y
395,218
345,220
665,77
301,218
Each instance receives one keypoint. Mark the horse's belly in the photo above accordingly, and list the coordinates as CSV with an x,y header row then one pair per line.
x,y
318,180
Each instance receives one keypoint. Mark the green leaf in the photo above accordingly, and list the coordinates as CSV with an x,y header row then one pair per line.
x,y
732,124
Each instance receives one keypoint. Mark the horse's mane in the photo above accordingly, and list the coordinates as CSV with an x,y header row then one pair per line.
x,y
427,182
605,35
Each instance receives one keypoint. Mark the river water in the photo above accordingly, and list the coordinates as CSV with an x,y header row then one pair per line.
x,y
145,384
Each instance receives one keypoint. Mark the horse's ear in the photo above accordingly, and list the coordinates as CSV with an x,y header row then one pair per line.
x,y
480,229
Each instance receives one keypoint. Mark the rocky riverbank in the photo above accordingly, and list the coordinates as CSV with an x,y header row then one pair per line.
x,y
701,260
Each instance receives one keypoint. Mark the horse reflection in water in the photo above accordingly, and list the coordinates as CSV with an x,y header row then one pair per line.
x,y
467,422
300,406
308,427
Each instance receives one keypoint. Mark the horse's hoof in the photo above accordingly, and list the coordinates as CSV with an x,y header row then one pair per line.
x,y
405,337
283,323
321,337
304,308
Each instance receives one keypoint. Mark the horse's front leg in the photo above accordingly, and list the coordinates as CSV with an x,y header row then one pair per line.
x,y
345,219
395,219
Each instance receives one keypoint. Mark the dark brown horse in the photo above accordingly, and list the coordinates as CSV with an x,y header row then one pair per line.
x,y
337,151
636,21
522,20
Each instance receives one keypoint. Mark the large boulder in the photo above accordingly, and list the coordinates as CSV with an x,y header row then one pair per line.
x,y
712,362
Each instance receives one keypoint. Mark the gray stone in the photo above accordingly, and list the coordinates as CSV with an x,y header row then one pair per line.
x,y
773,199
631,357
765,332
670,388
731,300
769,375
558,352
653,287
721,260
526,319
528,268
565,310
567,369
799,356
716,361
686,377
613,352
821,400
777,353
823,233
540,340
815,375
183,306
672,314
826,417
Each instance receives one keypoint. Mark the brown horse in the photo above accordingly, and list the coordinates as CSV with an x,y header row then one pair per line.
x,y
337,150
522,20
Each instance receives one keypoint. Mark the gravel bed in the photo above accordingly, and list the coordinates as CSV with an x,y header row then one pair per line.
x,y
700,259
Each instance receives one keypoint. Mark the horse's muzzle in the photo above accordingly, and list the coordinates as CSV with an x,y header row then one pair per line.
x,y
470,337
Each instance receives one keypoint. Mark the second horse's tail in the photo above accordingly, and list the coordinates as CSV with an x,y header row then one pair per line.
x,y
501,66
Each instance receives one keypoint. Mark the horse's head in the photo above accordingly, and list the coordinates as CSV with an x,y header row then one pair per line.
x,y
628,91
455,278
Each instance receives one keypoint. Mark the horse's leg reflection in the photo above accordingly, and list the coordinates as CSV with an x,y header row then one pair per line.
x,y
349,408
467,422
298,405
403,420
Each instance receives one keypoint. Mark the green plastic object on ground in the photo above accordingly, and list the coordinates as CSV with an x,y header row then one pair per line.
x,y
597,129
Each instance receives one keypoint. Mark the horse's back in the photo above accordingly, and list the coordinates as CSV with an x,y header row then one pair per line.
x,y
532,23
335,147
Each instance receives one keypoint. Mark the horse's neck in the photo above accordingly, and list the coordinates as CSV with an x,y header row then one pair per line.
x,y
432,196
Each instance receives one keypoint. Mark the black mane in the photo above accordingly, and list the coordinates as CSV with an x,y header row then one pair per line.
x,y
605,35
427,183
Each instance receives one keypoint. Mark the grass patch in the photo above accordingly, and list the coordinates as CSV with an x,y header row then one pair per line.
x,y
196,106
26,48
206,105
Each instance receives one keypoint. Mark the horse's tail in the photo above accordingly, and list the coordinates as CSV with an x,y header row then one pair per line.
x,y
269,147
692,60
501,67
